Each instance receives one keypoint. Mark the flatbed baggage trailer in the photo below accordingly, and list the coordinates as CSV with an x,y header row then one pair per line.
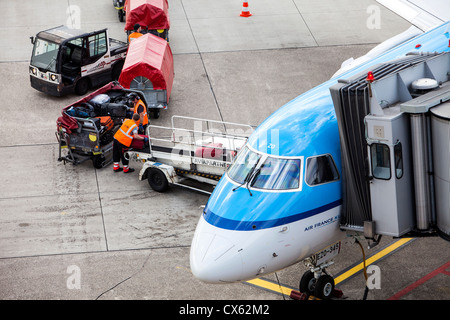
x,y
190,150
86,128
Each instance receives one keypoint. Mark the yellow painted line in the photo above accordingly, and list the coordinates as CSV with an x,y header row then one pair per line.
x,y
287,291
372,259
270,286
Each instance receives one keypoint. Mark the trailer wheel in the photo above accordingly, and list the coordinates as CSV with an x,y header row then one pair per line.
x,y
157,180
99,161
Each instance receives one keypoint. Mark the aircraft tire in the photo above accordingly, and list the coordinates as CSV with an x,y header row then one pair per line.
x,y
307,283
324,287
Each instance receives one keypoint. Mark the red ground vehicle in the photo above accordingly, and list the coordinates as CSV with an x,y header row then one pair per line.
x,y
86,128
152,15
149,68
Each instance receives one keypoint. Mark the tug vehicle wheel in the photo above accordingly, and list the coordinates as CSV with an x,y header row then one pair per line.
x,y
82,86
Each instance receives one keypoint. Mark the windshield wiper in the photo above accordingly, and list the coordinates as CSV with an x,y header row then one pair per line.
x,y
245,180
252,177
248,179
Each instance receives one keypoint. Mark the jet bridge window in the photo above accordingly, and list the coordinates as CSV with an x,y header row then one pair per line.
x,y
320,169
381,163
398,160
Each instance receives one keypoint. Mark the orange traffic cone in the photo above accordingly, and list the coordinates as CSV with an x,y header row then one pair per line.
x,y
245,13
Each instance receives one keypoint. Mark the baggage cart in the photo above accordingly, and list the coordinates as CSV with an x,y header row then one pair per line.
x,y
86,128
193,153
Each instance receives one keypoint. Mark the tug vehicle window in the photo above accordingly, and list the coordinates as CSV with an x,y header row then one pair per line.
x,y
97,45
381,163
45,54
321,169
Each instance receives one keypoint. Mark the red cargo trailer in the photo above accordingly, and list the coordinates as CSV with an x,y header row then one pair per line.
x,y
151,15
149,68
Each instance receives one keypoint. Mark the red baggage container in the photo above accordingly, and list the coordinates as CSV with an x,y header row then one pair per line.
x,y
149,68
138,144
151,14
210,151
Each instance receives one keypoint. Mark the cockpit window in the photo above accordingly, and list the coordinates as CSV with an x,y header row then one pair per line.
x,y
277,174
321,169
244,165
265,172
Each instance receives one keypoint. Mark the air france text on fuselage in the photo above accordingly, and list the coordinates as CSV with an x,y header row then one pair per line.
x,y
322,223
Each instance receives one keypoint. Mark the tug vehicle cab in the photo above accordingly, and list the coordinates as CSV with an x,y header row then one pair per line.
x,y
68,60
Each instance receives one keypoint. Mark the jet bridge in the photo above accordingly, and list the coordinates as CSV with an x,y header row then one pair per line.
x,y
394,126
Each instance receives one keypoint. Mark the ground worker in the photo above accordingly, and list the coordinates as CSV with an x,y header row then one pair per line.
x,y
141,110
122,141
136,34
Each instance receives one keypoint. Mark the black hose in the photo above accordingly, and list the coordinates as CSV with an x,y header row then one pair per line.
x,y
366,290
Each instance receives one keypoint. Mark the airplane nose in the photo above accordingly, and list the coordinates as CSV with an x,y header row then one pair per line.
x,y
214,258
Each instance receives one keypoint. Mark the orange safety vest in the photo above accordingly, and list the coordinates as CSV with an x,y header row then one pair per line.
x,y
124,134
134,35
140,102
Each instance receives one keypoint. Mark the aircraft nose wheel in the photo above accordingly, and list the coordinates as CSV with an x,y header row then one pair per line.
x,y
322,287
307,283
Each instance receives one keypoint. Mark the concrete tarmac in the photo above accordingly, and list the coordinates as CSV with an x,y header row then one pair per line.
x,y
75,232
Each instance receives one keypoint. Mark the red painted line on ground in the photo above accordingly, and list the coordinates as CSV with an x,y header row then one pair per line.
x,y
421,281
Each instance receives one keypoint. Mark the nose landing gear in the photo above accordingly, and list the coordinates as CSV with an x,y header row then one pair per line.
x,y
316,281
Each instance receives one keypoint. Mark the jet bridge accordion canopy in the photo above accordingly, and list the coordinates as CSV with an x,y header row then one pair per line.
x,y
152,14
351,98
149,57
